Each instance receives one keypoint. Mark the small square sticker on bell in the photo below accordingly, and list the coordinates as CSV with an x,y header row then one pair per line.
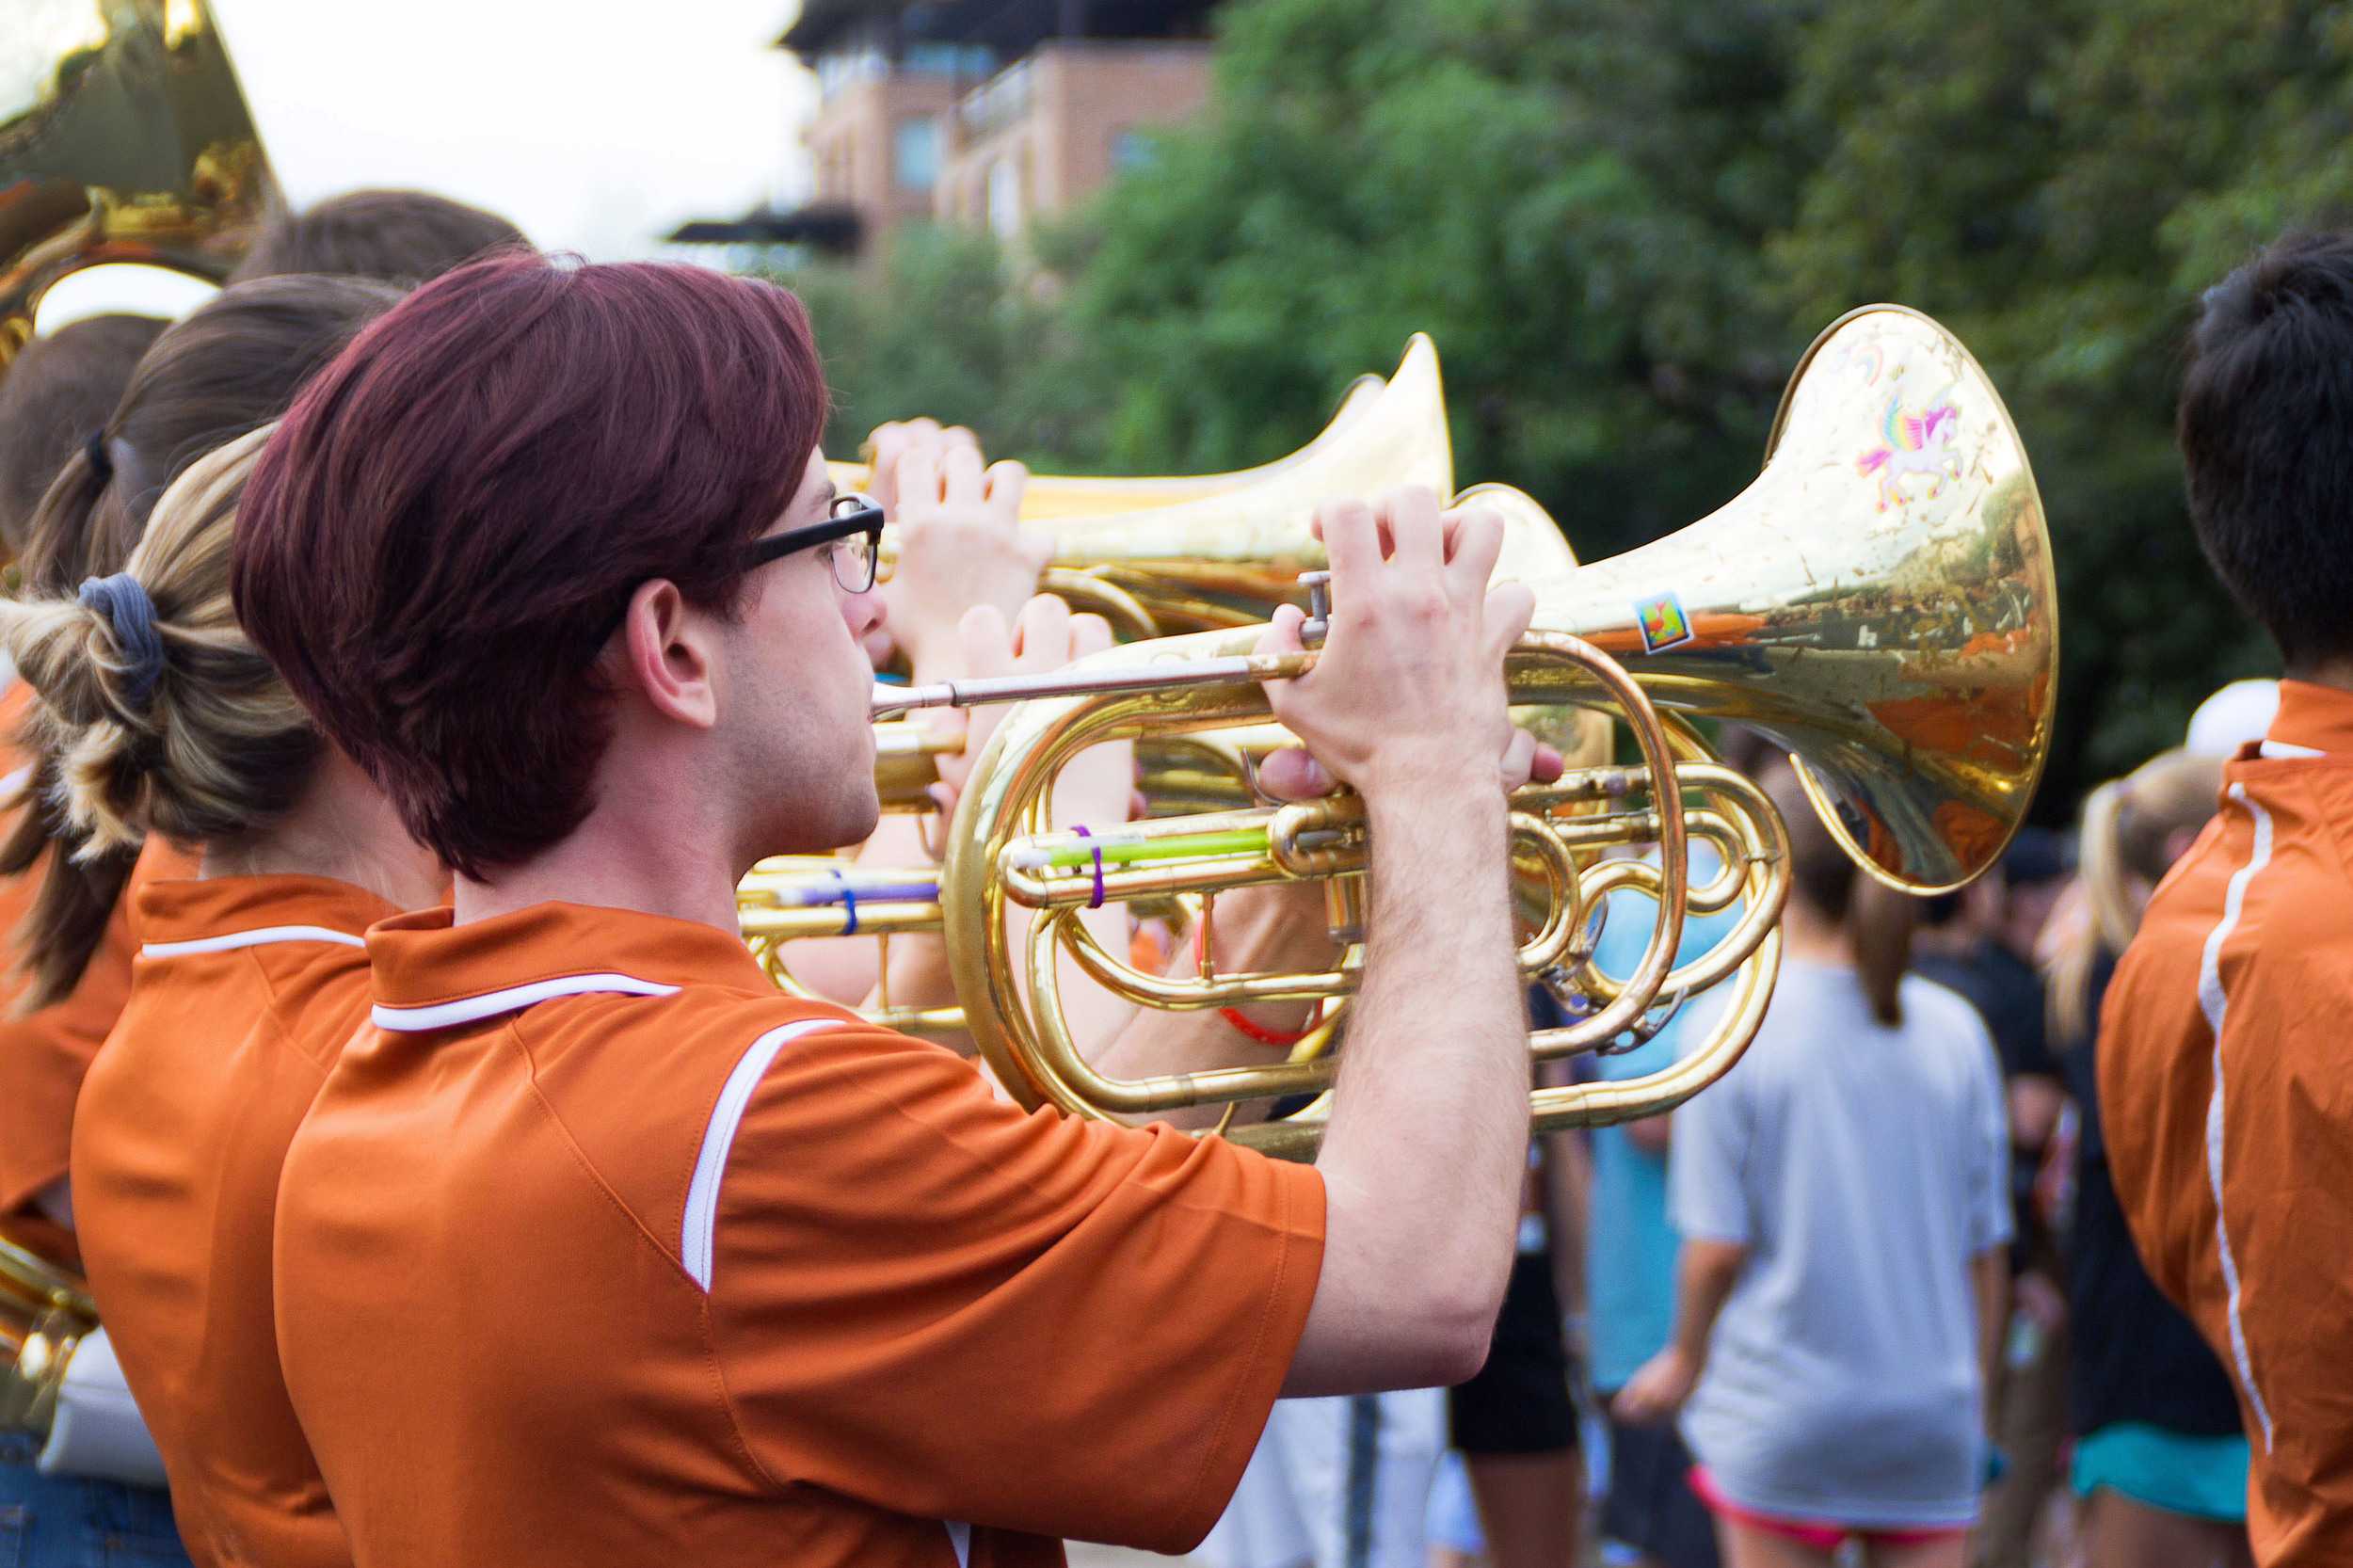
x,y
1662,621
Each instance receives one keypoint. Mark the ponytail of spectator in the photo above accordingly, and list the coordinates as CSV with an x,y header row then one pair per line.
x,y
1877,920
2134,829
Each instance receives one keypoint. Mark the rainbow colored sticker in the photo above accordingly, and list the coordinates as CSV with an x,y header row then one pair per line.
x,y
1664,624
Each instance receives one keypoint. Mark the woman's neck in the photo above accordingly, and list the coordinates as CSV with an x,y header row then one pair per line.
x,y
342,829
1811,937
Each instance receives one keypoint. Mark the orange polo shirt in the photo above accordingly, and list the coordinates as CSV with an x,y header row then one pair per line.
x,y
597,1251
2227,1091
244,992
44,1055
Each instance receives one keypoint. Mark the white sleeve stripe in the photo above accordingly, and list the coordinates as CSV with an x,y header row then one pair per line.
x,y
2215,1002
466,1010
699,1237
259,937
960,1537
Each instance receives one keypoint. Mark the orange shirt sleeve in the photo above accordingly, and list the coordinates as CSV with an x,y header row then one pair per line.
x,y
935,1302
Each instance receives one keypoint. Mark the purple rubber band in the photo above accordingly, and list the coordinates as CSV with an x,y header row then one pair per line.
x,y
1096,901
848,904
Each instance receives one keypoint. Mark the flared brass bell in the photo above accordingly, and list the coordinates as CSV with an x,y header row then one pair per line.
x,y
123,138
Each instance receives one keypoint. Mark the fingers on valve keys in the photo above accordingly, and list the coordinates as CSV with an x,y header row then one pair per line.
x,y
1408,684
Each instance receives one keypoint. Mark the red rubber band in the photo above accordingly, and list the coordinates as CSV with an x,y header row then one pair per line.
x,y
1281,1038
1242,1024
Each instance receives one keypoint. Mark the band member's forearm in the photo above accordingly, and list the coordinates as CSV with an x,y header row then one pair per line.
x,y
1428,1142
1279,929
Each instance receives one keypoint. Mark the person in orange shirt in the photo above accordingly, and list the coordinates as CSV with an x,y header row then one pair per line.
x,y
2225,1089
58,389
163,720
593,1248
232,364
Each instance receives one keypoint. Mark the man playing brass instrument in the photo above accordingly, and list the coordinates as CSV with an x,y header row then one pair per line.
x,y
2221,1054
596,1250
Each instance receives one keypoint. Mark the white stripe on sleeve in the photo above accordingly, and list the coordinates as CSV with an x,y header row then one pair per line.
x,y
699,1237
2215,1005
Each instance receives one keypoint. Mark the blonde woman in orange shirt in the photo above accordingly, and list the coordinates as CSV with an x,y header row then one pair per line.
x,y
159,717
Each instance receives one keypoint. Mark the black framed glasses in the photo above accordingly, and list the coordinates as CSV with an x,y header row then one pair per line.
x,y
851,535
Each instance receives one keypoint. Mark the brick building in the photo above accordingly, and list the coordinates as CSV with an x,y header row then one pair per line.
x,y
982,113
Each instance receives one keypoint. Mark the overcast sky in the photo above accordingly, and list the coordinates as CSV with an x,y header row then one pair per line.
x,y
594,124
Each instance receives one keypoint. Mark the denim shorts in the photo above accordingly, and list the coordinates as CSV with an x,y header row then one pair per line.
x,y
70,1522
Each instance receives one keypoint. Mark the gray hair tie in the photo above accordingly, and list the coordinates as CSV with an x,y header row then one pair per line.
x,y
124,602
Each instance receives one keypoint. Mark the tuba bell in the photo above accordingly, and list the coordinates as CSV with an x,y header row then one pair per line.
x,y
1879,602
123,138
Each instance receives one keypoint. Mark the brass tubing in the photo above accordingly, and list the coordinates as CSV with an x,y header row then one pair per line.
x,y
1090,593
1755,969
1029,1043
766,923
1120,681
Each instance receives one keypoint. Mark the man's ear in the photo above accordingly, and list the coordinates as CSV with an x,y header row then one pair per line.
x,y
667,655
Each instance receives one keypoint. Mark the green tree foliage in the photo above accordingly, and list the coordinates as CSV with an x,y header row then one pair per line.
x,y
2056,180
947,329
1566,195
1622,220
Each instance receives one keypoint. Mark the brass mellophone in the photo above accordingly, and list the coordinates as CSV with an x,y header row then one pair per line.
x,y
1880,602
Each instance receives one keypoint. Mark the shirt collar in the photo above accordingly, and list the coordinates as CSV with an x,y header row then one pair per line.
x,y
2312,721
177,917
431,973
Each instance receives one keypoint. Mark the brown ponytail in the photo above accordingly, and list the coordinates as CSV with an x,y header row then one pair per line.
x,y
198,741
230,367
1878,919
1878,926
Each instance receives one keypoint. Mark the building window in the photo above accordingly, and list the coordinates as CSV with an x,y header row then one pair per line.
x,y
969,60
1133,149
847,67
915,153
1004,199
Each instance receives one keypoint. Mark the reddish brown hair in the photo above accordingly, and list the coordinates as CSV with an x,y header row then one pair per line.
x,y
444,532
